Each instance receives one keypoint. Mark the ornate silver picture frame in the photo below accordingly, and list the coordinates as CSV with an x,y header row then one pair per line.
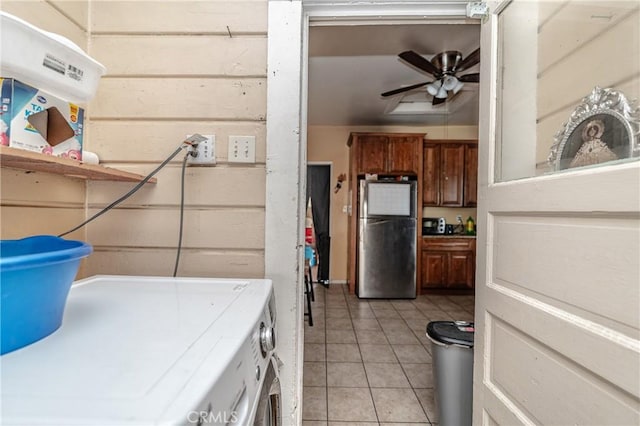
x,y
604,127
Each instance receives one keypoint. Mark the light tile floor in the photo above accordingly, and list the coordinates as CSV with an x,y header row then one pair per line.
x,y
368,361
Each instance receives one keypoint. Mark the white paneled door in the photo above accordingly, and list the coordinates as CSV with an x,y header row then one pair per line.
x,y
558,277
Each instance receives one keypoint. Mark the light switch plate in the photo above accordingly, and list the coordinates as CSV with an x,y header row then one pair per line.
x,y
242,149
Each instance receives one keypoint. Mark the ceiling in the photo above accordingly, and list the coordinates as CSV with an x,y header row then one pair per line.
x,y
350,66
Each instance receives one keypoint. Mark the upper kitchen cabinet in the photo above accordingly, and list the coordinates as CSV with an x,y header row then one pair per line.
x,y
386,153
450,173
471,175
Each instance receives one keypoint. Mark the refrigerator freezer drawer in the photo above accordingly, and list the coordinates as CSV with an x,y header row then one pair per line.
x,y
387,258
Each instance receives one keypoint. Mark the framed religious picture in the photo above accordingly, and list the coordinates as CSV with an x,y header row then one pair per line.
x,y
603,128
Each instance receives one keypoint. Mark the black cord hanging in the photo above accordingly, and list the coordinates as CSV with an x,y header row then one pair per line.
x,y
184,168
127,195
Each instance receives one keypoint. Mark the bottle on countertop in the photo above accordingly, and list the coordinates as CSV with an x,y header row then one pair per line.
x,y
470,228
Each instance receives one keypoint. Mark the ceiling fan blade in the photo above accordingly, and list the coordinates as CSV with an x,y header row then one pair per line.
x,y
469,61
419,62
404,89
437,101
470,78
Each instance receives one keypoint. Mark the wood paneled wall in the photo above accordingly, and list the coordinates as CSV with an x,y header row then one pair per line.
x,y
185,67
583,44
41,203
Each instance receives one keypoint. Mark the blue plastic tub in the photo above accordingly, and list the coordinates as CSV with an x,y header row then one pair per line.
x,y
36,274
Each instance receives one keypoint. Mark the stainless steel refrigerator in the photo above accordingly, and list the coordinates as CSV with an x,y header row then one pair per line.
x,y
387,239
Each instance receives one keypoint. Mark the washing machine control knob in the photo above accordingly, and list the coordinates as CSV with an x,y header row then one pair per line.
x,y
267,339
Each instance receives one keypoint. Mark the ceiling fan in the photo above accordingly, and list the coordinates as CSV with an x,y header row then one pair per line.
x,y
443,67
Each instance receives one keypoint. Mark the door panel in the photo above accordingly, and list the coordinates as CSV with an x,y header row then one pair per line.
x,y
372,154
434,266
403,155
386,256
598,292
431,175
452,173
557,291
470,175
460,269
561,329
560,391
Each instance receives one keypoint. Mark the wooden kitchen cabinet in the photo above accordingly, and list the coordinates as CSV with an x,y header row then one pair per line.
x,y
471,175
448,263
431,175
371,154
449,173
404,155
434,269
386,154
452,175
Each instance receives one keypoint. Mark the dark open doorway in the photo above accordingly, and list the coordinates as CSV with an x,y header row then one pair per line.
x,y
319,191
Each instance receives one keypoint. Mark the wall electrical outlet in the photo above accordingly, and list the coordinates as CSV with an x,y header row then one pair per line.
x,y
242,149
206,152
459,218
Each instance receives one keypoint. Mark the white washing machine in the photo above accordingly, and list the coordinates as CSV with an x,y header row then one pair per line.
x,y
151,350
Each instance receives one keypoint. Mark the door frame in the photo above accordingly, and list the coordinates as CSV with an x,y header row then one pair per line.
x,y
287,95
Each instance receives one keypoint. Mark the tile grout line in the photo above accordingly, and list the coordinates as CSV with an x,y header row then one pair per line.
x,y
413,389
326,355
375,409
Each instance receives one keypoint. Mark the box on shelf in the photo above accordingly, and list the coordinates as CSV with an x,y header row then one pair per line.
x,y
47,61
37,121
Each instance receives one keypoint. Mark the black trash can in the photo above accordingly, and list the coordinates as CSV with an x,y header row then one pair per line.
x,y
452,352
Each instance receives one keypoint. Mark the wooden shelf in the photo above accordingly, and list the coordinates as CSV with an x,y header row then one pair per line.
x,y
34,161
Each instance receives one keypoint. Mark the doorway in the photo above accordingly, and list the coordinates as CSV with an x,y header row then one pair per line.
x,y
288,30
318,193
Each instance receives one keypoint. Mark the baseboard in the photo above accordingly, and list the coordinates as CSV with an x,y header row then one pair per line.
x,y
333,282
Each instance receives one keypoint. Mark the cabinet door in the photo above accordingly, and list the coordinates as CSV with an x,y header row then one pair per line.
x,y
434,269
461,271
452,175
471,176
372,154
431,175
403,155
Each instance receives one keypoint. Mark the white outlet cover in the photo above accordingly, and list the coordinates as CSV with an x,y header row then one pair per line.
x,y
242,149
206,152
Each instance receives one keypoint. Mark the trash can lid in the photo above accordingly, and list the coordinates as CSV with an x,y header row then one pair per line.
x,y
451,332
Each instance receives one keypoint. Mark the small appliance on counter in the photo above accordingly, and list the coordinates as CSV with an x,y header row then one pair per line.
x,y
434,225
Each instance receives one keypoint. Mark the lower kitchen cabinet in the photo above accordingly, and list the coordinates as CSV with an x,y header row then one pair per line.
x,y
448,263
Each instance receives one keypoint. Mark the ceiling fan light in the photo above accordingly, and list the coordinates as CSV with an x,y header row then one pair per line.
x,y
442,93
458,86
450,82
432,88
